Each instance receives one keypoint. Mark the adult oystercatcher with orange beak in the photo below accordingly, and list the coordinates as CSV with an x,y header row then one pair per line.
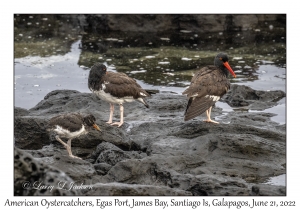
x,y
115,88
70,126
207,86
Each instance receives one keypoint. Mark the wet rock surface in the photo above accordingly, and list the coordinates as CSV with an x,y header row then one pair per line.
x,y
155,152
264,190
241,95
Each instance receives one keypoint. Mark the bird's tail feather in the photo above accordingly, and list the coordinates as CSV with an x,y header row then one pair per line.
x,y
197,106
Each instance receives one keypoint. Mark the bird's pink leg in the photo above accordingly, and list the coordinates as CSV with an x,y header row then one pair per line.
x,y
70,151
208,112
121,116
67,146
61,141
111,113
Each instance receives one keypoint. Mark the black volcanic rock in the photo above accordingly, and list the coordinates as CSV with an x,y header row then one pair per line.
x,y
117,189
30,175
111,154
102,168
265,190
155,152
34,129
241,95
198,23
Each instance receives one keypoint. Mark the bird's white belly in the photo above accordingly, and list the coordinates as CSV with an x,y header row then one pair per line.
x,y
111,99
66,133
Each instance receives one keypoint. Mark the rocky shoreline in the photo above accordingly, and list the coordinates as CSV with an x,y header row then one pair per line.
x,y
155,152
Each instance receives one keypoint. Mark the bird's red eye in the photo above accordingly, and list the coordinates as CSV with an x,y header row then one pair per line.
x,y
221,59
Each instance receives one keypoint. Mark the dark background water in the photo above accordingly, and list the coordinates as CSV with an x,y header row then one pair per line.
x,y
160,51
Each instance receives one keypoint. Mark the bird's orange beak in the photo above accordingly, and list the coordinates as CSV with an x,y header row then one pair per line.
x,y
226,64
96,127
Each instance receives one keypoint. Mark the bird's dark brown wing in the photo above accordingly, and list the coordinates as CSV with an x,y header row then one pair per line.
x,y
72,121
197,106
207,86
120,85
208,81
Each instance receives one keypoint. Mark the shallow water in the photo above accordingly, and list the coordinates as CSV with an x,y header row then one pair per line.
x,y
61,60
277,180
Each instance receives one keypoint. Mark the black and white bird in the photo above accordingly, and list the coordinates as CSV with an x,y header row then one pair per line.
x,y
115,88
207,86
70,126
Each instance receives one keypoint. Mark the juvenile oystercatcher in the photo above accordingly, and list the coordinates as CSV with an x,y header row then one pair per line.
x,y
115,88
207,86
70,126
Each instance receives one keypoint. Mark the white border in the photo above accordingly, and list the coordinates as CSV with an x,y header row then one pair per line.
x,y
8,8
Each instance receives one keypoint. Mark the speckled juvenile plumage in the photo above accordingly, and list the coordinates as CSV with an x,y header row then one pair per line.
x,y
70,125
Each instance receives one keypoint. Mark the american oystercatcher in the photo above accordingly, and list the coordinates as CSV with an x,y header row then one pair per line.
x,y
115,88
207,86
70,126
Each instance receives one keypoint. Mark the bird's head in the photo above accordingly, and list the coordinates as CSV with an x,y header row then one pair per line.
x,y
90,121
221,61
98,69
